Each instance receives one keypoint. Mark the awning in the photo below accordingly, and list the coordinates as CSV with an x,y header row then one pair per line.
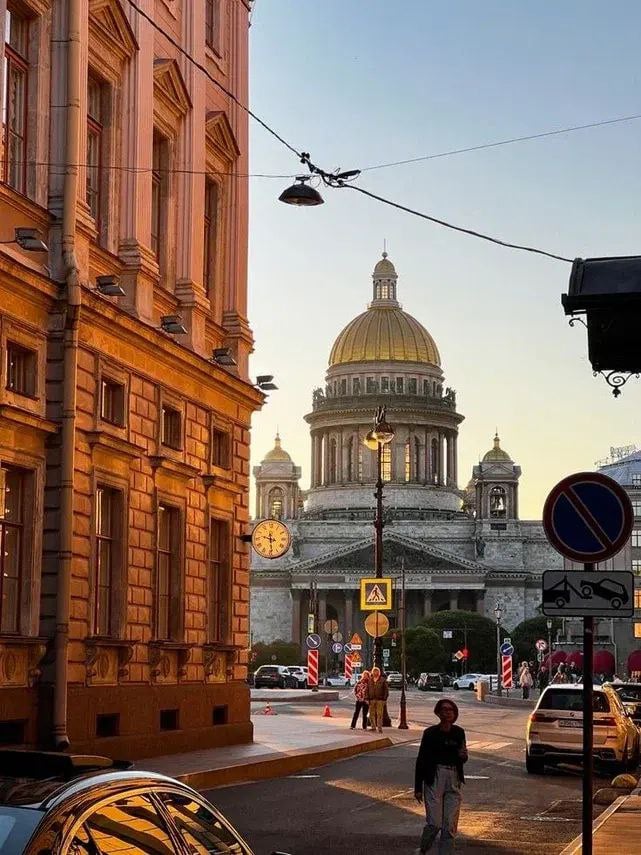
x,y
634,661
604,662
575,658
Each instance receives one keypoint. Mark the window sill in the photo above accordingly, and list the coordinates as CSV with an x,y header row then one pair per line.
x,y
16,414
113,442
176,467
223,478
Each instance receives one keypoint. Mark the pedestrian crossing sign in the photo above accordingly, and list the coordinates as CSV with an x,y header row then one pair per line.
x,y
376,595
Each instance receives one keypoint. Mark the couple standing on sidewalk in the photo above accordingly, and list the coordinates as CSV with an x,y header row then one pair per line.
x,y
371,692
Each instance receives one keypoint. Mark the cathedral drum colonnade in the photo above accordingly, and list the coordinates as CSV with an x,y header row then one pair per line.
x,y
463,549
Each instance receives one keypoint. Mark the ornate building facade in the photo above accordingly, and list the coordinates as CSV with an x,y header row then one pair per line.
x,y
124,446
462,549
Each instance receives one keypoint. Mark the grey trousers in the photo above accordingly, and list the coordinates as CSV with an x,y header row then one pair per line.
x,y
442,808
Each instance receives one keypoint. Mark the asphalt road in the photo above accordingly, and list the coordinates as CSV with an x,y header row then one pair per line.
x,y
366,804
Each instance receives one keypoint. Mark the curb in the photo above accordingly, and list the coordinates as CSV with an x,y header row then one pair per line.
x,y
302,697
575,847
510,702
267,766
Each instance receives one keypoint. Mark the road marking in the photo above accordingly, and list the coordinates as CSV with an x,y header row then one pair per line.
x,y
540,818
373,804
476,745
303,776
477,777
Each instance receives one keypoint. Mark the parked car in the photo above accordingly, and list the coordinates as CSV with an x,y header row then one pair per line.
x,y
447,680
430,683
70,804
466,681
299,672
630,694
554,731
274,677
338,681
395,680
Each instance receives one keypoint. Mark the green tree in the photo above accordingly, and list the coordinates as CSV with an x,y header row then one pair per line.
x,y
424,651
479,631
528,632
279,652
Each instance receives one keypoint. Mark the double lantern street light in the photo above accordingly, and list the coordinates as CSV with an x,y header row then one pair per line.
x,y
498,611
381,435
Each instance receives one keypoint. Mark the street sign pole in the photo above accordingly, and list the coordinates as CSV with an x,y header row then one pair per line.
x,y
588,727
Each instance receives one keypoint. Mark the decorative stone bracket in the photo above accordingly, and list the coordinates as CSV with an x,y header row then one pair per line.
x,y
21,660
168,660
218,661
106,659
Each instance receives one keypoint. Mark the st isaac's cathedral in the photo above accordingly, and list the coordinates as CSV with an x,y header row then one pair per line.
x,y
462,549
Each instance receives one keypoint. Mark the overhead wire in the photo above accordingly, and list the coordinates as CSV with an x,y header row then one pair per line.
x,y
498,143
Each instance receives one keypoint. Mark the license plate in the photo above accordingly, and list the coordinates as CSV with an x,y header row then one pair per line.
x,y
564,722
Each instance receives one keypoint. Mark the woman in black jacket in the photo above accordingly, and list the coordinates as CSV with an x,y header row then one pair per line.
x,y
439,775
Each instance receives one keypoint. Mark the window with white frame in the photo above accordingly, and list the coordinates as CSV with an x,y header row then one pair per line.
x,y
15,108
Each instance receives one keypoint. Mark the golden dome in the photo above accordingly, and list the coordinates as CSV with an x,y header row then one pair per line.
x,y
496,453
384,334
277,452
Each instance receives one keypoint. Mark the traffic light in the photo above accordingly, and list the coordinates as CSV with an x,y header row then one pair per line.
x,y
465,652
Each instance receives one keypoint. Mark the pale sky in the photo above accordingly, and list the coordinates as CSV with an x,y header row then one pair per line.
x,y
364,82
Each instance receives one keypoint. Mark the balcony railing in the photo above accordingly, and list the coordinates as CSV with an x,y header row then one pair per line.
x,y
371,400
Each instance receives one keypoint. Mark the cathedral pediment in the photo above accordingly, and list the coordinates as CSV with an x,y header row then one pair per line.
x,y
357,559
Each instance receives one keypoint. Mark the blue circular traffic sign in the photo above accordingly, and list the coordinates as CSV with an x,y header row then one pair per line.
x,y
588,517
337,647
313,641
507,649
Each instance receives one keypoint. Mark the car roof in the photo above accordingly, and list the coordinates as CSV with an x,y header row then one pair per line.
x,y
573,687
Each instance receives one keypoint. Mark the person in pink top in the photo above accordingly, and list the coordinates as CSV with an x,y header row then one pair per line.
x,y
360,693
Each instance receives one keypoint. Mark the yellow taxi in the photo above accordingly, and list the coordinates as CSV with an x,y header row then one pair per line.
x,y
555,729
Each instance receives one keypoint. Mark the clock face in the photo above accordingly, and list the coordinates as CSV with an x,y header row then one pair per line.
x,y
271,538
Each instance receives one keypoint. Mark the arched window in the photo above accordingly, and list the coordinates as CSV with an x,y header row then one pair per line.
x,y
386,462
408,460
498,502
417,459
350,459
360,462
434,462
332,461
276,503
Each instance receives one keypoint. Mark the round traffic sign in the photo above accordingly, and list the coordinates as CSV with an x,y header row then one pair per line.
x,y
588,517
506,649
337,647
541,645
330,626
347,647
337,636
376,624
313,641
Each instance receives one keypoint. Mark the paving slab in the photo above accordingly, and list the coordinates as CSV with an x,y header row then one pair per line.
x,y
283,745
617,829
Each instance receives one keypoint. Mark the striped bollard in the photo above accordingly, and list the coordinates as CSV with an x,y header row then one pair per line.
x,y
348,667
506,668
312,667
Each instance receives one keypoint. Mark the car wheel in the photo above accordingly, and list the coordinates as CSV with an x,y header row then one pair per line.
x,y
560,602
586,590
615,602
281,684
471,687
534,765
455,686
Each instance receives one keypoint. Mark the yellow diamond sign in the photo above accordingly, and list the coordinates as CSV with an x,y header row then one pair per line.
x,y
376,595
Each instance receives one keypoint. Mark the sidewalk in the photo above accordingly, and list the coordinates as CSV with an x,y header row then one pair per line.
x,y
283,745
617,829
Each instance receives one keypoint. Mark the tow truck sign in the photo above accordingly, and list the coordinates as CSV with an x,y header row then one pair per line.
x,y
594,594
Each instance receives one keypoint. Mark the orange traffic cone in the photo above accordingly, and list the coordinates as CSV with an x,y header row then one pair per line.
x,y
268,710
327,713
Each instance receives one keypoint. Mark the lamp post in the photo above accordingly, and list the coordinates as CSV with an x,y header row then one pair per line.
x,y
382,434
498,611
402,725
549,626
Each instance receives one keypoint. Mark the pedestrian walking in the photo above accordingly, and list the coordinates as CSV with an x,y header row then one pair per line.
x,y
525,681
377,694
543,678
360,693
561,675
438,778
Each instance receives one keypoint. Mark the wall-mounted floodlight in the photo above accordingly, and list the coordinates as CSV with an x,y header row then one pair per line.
x,y
173,324
109,286
265,384
223,356
28,239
